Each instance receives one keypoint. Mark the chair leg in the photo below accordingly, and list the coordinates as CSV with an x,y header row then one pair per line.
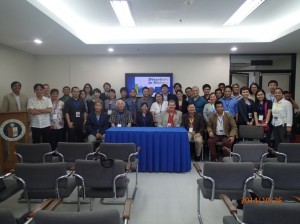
x,y
91,204
78,200
198,205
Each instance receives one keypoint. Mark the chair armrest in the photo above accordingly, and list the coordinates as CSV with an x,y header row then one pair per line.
x,y
48,154
41,206
127,208
272,183
56,202
59,155
246,184
271,150
232,209
7,174
198,168
77,176
237,155
296,198
128,167
91,154
114,183
58,180
19,156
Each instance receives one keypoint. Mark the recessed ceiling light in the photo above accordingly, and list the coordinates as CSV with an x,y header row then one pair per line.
x,y
110,49
234,49
243,11
38,41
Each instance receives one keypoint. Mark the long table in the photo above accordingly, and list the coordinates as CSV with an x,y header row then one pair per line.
x,y
162,149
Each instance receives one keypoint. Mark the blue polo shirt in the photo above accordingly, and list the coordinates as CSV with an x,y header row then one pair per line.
x,y
230,105
199,104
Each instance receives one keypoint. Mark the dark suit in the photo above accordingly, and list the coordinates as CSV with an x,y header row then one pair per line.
x,y
146,121
94,126
243,117
103,97
183,106
198,123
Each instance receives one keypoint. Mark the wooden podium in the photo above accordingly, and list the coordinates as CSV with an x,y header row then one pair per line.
x,y
14,128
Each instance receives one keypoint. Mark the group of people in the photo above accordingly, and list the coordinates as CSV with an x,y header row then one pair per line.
x,y
88,113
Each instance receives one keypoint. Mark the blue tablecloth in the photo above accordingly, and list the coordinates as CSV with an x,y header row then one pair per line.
x,y
162,149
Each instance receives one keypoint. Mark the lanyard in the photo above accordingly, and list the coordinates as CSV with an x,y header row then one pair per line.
x,y
227,104
76,104
144,119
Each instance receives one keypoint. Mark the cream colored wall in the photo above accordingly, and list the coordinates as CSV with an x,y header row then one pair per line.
x,y
16,65
78,70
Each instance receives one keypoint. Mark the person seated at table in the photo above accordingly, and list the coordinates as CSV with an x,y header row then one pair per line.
x,y
194,124
170,117
144,118
221,127
97,122
120,117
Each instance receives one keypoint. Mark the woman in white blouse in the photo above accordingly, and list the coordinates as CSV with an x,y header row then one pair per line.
x,y
158,107
282,121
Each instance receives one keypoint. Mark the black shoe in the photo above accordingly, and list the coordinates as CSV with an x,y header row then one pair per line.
x,y
197,158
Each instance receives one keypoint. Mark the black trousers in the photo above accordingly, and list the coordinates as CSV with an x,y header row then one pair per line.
x,y
280,135
75,134
39,134
56,135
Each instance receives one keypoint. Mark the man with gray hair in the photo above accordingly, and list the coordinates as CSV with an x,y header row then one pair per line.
x,y
120,117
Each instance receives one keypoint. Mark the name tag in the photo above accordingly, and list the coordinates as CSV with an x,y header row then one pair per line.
x,y
226,111
261,117
109,112
54,117
221,131
168,125
119,125
77,114
250,115
191,129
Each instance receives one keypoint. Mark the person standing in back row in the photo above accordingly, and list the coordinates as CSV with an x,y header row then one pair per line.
x,y
76,116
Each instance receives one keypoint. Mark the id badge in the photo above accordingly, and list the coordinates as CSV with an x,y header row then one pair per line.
x,y
77,114
109,112
54,117
168,125
221,131
250,115
191,130
261,117
226,111
119,125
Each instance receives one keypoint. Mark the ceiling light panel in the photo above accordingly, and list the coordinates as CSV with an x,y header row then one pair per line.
x,y
122,11
243,11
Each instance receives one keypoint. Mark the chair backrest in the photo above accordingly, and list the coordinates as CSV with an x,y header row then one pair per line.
x,y
292,151
251,132
74,150
33,153
96,217
119,151
97,176
264,213
250,152
228,176
286,176
6,216
41,176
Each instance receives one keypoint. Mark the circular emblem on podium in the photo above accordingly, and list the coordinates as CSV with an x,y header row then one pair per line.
x,y
12,130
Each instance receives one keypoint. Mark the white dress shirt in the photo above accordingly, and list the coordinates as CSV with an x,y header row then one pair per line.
x,y
40,120
282,112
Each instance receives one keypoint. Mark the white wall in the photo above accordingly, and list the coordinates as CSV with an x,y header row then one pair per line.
x,y
78,70
16,65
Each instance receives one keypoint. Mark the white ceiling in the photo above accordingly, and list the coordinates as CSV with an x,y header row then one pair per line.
x,y
21,22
